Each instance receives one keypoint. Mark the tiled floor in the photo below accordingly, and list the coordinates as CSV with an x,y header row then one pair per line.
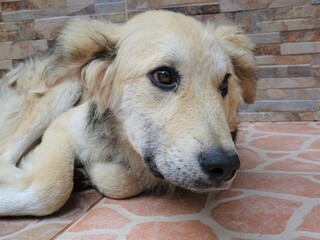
x,y
275,196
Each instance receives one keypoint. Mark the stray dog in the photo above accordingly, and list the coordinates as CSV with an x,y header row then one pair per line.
x,y
153,100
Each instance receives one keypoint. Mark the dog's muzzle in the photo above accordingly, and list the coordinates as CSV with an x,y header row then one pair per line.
x,y
216,170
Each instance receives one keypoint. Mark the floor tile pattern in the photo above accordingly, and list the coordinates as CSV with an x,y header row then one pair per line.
x,y
276,195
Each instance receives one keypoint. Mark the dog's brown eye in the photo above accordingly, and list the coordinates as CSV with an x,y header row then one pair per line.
x,y
224,85
165,78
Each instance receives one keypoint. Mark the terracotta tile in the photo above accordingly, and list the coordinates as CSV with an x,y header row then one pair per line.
x,y
292,165
311,221
256,135
99,218
149,204
171,230
255,214
241,135
78,205
288,143
12,225
302,128
249,159
41,232
311,155
288,184
227,194
96,237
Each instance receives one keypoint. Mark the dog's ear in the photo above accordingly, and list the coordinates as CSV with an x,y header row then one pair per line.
x,y
86,48
240,49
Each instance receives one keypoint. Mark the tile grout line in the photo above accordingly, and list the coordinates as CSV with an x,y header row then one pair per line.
x,y
74,221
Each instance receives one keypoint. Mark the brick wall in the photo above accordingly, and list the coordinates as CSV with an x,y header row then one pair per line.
x,y
287,34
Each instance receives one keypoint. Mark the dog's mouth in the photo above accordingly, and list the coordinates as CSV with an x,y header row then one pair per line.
x,y
203,185
149,161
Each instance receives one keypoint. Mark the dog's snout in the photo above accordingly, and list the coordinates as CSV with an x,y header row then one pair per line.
x,y
219,164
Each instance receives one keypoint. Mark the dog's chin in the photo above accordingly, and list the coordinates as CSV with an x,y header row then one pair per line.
x,y
203,186
200,186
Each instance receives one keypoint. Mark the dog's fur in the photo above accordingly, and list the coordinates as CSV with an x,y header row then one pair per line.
x,y
90,99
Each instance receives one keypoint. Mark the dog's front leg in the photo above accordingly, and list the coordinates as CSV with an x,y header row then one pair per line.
x,y
43,182
37,114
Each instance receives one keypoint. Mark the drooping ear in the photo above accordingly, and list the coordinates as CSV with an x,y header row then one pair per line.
x,y
240,49
86,48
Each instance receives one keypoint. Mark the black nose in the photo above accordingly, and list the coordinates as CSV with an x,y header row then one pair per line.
x,y
221,165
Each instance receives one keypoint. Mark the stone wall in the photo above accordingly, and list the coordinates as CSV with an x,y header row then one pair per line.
x,y
286,32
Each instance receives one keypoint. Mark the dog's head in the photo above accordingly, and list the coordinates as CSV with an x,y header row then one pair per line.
x,y
174,84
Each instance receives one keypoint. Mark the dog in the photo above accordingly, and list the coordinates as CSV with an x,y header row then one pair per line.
x,y
149,102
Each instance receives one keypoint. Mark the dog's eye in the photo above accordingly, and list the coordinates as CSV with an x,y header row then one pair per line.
x,y
165,78
224,85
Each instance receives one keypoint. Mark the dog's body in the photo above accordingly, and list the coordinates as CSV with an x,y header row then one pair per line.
x,y
150,101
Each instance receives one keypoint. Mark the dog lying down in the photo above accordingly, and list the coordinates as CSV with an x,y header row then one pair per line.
x,y
148,102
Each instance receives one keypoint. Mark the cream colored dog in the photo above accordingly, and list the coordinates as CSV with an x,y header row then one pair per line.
x,y
149,102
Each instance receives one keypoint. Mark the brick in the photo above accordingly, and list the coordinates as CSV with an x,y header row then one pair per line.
x,y
220,17
110,7
132,13
288,94
282,60
2,73
301,36
196,9
48,28
316,70
104,1
267,49
315,58
17,31
112,17
20,50
285,83
31,4
263,38
287,25
302,70
83,7
282,106
235,5
300,48
33,14
249,19
140,4
5,64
